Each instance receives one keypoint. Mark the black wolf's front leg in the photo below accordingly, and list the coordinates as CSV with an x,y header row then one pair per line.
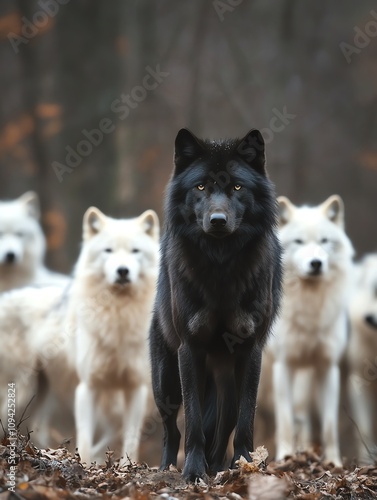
x,y
192,374
167,393
248,366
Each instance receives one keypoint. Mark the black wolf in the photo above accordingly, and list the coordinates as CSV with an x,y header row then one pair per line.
x,y
218,292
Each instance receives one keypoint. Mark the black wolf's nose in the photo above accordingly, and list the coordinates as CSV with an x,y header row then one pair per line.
x,y
218,219
123,272
371,320
10,257
316,265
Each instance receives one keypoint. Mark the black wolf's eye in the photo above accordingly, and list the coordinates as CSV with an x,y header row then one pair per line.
x,y
237,187
324,240
299,242
200,187
135,250
108,250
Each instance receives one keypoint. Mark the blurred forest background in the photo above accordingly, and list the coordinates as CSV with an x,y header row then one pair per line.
x,y
224,66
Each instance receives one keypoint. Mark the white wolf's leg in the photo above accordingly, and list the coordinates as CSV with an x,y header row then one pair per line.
x,y
108,422
85,420
362,410
282,378
136,403
302,397
43,419
328,400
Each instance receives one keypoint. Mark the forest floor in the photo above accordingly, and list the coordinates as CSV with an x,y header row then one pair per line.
x,y
57,474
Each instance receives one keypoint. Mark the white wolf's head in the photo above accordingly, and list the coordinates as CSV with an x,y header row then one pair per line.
x,y
21,239
363,305
119,252
314,242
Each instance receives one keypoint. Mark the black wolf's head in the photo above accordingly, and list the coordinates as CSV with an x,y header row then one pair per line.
x,y
220,188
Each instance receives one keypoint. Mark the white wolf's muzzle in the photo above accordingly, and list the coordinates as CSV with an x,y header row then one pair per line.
x,y
11,250
311,260
122,268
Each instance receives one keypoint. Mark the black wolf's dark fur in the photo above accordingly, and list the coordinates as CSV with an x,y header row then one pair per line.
x,y
218,293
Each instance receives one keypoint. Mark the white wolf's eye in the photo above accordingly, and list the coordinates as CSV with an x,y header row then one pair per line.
x,y
237,187
200,187
324,240
108,250
135,250
298,241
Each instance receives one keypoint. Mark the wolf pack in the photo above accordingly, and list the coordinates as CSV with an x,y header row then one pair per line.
x,y
242,284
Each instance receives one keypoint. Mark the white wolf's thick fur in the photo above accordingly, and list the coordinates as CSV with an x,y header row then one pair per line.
x,y
362,356
311,332
22,245
22,312
112,298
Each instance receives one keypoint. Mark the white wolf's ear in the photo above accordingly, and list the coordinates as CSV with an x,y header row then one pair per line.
x,y
31,202
187,148
150,223
333,208
286,210
93,222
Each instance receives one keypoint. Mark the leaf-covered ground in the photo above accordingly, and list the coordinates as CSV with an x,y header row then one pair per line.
x,y
57,474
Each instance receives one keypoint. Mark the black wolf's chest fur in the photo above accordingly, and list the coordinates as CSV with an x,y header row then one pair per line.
x,y
215,299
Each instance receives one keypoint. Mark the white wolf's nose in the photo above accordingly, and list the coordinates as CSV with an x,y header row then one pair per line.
x,y
10,257
123,272
371,320
316,265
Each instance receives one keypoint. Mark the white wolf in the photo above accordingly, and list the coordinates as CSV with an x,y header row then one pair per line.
x,y
22,245
103,340
311,333
362,356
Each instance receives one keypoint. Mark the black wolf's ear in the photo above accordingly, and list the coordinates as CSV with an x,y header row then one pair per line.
x,y
187,149
251,150
286,210
333,208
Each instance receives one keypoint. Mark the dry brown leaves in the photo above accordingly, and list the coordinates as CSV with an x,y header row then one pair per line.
x,y
57,474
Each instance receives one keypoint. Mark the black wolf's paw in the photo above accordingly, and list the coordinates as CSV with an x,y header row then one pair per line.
x,y
167,466
237,456
194,470
215,468
195,476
